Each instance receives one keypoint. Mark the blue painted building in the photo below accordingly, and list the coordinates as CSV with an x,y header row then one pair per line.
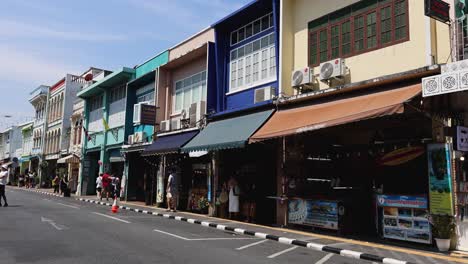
x,y
246,54
246,47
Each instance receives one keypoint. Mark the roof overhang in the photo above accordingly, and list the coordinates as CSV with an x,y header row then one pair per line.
x,y
187,57
121,76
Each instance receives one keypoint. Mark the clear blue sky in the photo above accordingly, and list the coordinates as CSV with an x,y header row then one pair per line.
x,y
41,41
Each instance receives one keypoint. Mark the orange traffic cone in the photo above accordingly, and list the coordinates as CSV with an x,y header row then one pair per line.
x,y
115,207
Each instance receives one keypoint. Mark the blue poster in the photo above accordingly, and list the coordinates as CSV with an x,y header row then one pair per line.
x,y
402,201
317,213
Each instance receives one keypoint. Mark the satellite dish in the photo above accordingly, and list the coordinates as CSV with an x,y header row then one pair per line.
x,y
88,77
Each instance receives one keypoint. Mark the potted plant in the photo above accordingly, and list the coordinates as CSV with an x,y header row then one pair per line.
x,y
443,228
203,204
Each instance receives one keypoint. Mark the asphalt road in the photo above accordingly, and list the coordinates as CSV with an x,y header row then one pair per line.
x,y
42,229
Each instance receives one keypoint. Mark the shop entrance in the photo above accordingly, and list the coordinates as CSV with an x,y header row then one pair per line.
x,y
336,175
254,169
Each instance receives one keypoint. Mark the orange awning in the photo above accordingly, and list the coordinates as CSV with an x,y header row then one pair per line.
x,y
338,112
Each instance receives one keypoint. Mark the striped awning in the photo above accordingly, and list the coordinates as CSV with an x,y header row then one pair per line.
x,y
69,159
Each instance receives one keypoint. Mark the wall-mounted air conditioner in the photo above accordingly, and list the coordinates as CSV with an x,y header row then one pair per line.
x,y
264,94
139,137
130,140
165,126
175,124
302,77
197,112
332,69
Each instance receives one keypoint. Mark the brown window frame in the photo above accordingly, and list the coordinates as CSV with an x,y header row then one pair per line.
x,y
351,19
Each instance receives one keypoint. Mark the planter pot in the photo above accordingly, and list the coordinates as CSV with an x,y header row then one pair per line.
x,y
442,244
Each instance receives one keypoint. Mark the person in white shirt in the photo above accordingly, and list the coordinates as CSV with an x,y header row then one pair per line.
x,y
99,186
3,182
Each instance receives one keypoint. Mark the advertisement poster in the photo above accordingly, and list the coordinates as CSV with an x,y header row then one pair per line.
x,y
402,201
317,213
405,218
440,179
160,187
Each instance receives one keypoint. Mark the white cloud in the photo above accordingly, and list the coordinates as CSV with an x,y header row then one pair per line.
x,y
10,28
23,67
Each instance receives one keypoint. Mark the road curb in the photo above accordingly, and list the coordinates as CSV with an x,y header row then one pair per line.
x,y
282,240
42,192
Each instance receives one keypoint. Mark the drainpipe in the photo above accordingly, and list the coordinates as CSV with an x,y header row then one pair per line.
x,y
84,145
44,130
105,115
428,42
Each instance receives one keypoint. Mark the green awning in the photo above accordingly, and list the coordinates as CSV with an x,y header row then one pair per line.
x,y
229,133
121,76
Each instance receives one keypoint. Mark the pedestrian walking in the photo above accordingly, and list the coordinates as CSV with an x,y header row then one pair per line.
x,y
106,185
55,184
3,182
116,187
171,193
99,186
63,185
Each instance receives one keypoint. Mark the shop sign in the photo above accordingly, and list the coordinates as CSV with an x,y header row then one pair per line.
x,y
148,114
440,179
437,9
448,82
402,201
316,213
462,138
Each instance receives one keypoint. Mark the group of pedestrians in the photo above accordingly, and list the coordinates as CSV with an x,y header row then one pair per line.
x,y
59,184
27,180
108,185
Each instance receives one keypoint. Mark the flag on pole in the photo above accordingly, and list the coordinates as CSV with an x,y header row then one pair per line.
x,y
106,125
88,137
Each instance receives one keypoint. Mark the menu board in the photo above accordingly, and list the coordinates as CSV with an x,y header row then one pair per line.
x,y
407,220
318,213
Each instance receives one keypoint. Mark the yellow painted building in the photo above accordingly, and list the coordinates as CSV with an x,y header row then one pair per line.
x,y
374,37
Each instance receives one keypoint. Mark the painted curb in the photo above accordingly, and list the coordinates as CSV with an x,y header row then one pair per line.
x,y
282,240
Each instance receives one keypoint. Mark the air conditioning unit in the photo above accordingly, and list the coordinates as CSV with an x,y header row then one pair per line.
x,y
175,124
130,140
139,137
301,77
332,69
196,112
264,94
165,126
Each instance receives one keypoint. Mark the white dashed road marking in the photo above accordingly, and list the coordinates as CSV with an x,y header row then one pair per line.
x,y
111,217
324,259
282,252
251,245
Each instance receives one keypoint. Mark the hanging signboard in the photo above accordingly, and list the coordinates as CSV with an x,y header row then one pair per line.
x,y
440,179
437,9
148,115
462,138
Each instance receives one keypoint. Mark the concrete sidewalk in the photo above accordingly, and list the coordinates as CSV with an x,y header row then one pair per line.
x,y
396,251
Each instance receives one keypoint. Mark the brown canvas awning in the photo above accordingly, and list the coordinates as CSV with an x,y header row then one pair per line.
x,y
308,118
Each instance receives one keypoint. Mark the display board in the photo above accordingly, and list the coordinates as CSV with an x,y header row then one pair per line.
x,y
318,213
405,218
